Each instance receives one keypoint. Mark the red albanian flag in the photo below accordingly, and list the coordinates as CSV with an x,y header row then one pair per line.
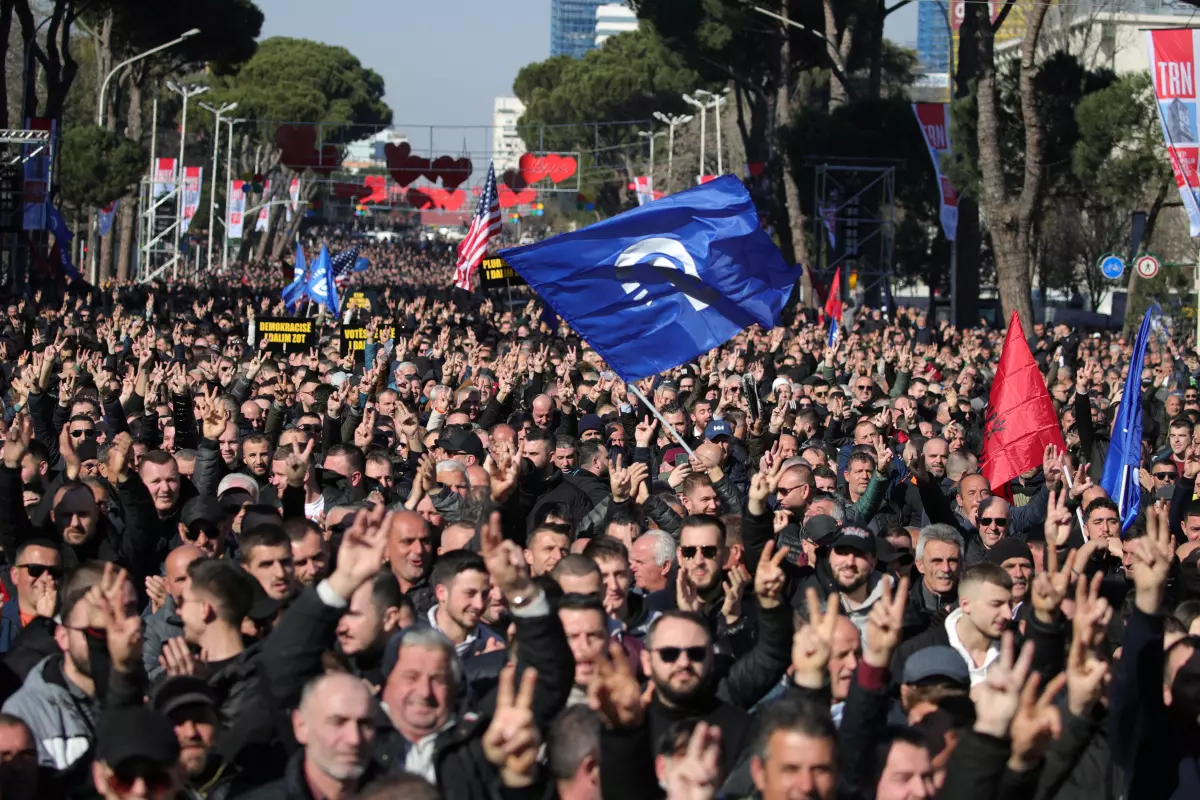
x,y
1021,420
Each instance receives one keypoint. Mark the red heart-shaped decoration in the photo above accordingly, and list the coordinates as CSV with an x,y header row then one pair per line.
x,y
378,187
559,168
512,179
419,199
296,145
404,167
449,201
533,168
453,172
525,197
345,190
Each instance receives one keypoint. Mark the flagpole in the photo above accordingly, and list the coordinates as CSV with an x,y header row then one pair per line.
x,y
662,420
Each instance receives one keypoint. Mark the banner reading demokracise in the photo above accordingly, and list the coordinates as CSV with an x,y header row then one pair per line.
x,y
1173,64
935,127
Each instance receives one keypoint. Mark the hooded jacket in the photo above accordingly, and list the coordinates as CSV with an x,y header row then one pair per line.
x,y
60,715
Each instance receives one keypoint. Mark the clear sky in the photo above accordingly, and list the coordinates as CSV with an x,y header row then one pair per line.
x,y
444,60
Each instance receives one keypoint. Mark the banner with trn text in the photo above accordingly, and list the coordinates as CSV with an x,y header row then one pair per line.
x,y
934,119
293,198
193,179
237,209
1173,65
264,214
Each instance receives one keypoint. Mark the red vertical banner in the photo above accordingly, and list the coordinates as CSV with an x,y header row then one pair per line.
x,y
934,119
1173,65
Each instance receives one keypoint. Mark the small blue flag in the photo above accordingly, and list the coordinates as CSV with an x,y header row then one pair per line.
x,y
320,278
362,264
293,293
660,284
331,289
106,217
1123,463
62,240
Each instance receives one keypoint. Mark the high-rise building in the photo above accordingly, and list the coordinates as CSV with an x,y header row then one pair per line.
x,y
933,39
612,19
507,145
573,26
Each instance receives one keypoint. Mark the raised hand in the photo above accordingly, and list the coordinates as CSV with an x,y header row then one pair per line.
x,y
511,741
505,562
1085,671
885,625
295,467
763,485
687,596
216,415
736,580
1057,527
1036,723
999,695
16,442
156,590
119,458
769,578
644,433
176,658
360,556
619,481
123,630
813,641
1050,585
503,469
614,693
1152,560
696,775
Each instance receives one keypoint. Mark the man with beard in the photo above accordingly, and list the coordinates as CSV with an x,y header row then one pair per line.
x,y
310,551
335,727
679,660
164,623
1015,557
58,698
852,563
700,583
377,608
461,586
190,706
266,553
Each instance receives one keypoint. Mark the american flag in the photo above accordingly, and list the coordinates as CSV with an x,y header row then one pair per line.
x,y
484,225
343,265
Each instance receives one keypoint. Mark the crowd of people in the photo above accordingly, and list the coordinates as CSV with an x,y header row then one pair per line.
x,y
468,561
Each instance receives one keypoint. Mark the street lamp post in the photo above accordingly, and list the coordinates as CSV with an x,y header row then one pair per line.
x,y
187,93
651,136
104,86
715,104
687,98
672,121
212,192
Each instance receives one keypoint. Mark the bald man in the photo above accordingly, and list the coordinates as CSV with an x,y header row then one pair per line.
x,y
164,623
543,411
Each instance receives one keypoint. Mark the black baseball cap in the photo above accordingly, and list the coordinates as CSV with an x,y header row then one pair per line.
x,y
178,691
857,538
137,732
461,441
822,530
202,509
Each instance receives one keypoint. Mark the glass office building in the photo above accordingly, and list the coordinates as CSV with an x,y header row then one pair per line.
x,y
573,26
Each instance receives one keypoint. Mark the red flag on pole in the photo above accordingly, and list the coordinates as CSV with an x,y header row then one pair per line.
x,y
833,303
1021,420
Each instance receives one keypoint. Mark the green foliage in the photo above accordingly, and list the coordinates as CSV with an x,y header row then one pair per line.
x,y
97,167
298,80
228,29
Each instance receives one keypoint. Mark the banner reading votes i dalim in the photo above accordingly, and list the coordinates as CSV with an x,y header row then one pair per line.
x,y
1173,65
286,334
354,338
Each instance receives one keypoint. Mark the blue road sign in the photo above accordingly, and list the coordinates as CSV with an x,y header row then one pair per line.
x,y
1112,266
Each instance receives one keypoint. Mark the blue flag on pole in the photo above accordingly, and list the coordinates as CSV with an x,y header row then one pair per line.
x,y
320,278
362,264
331,290
62,240
662,283
293,293
1121,477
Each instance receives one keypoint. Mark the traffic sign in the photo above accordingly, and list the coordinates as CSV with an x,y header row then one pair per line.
x,y
1112,266
1147,265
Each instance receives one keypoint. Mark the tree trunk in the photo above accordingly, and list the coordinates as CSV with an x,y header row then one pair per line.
x,y
127,208
1010,220
797,222
838,47
965,299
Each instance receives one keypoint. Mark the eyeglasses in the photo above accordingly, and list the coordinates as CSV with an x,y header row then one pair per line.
x,y
38,570
126,775
787,489
671,654
83,434
311,430
1165,476
194,534
862,387
709,551
999,522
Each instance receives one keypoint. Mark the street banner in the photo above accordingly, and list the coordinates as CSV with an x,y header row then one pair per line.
x,y
237,208
354,338
37,175
934,119
286,333
193,179
293,198
1173,65
497,274
264,214
164,176
106,216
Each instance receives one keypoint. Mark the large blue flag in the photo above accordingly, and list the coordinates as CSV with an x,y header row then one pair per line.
x,y
321,278
331,289
62,240
1123,463
293,293
662,283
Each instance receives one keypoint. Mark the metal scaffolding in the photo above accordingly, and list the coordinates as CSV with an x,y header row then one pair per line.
x,y
854,224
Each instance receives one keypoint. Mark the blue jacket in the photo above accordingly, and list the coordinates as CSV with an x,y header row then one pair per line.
x,y
10,624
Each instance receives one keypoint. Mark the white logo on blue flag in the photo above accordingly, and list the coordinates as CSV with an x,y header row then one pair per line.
x,y
659,252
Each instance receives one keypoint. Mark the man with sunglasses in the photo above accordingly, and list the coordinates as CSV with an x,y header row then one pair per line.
x,y
137,755
992,519
37,575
